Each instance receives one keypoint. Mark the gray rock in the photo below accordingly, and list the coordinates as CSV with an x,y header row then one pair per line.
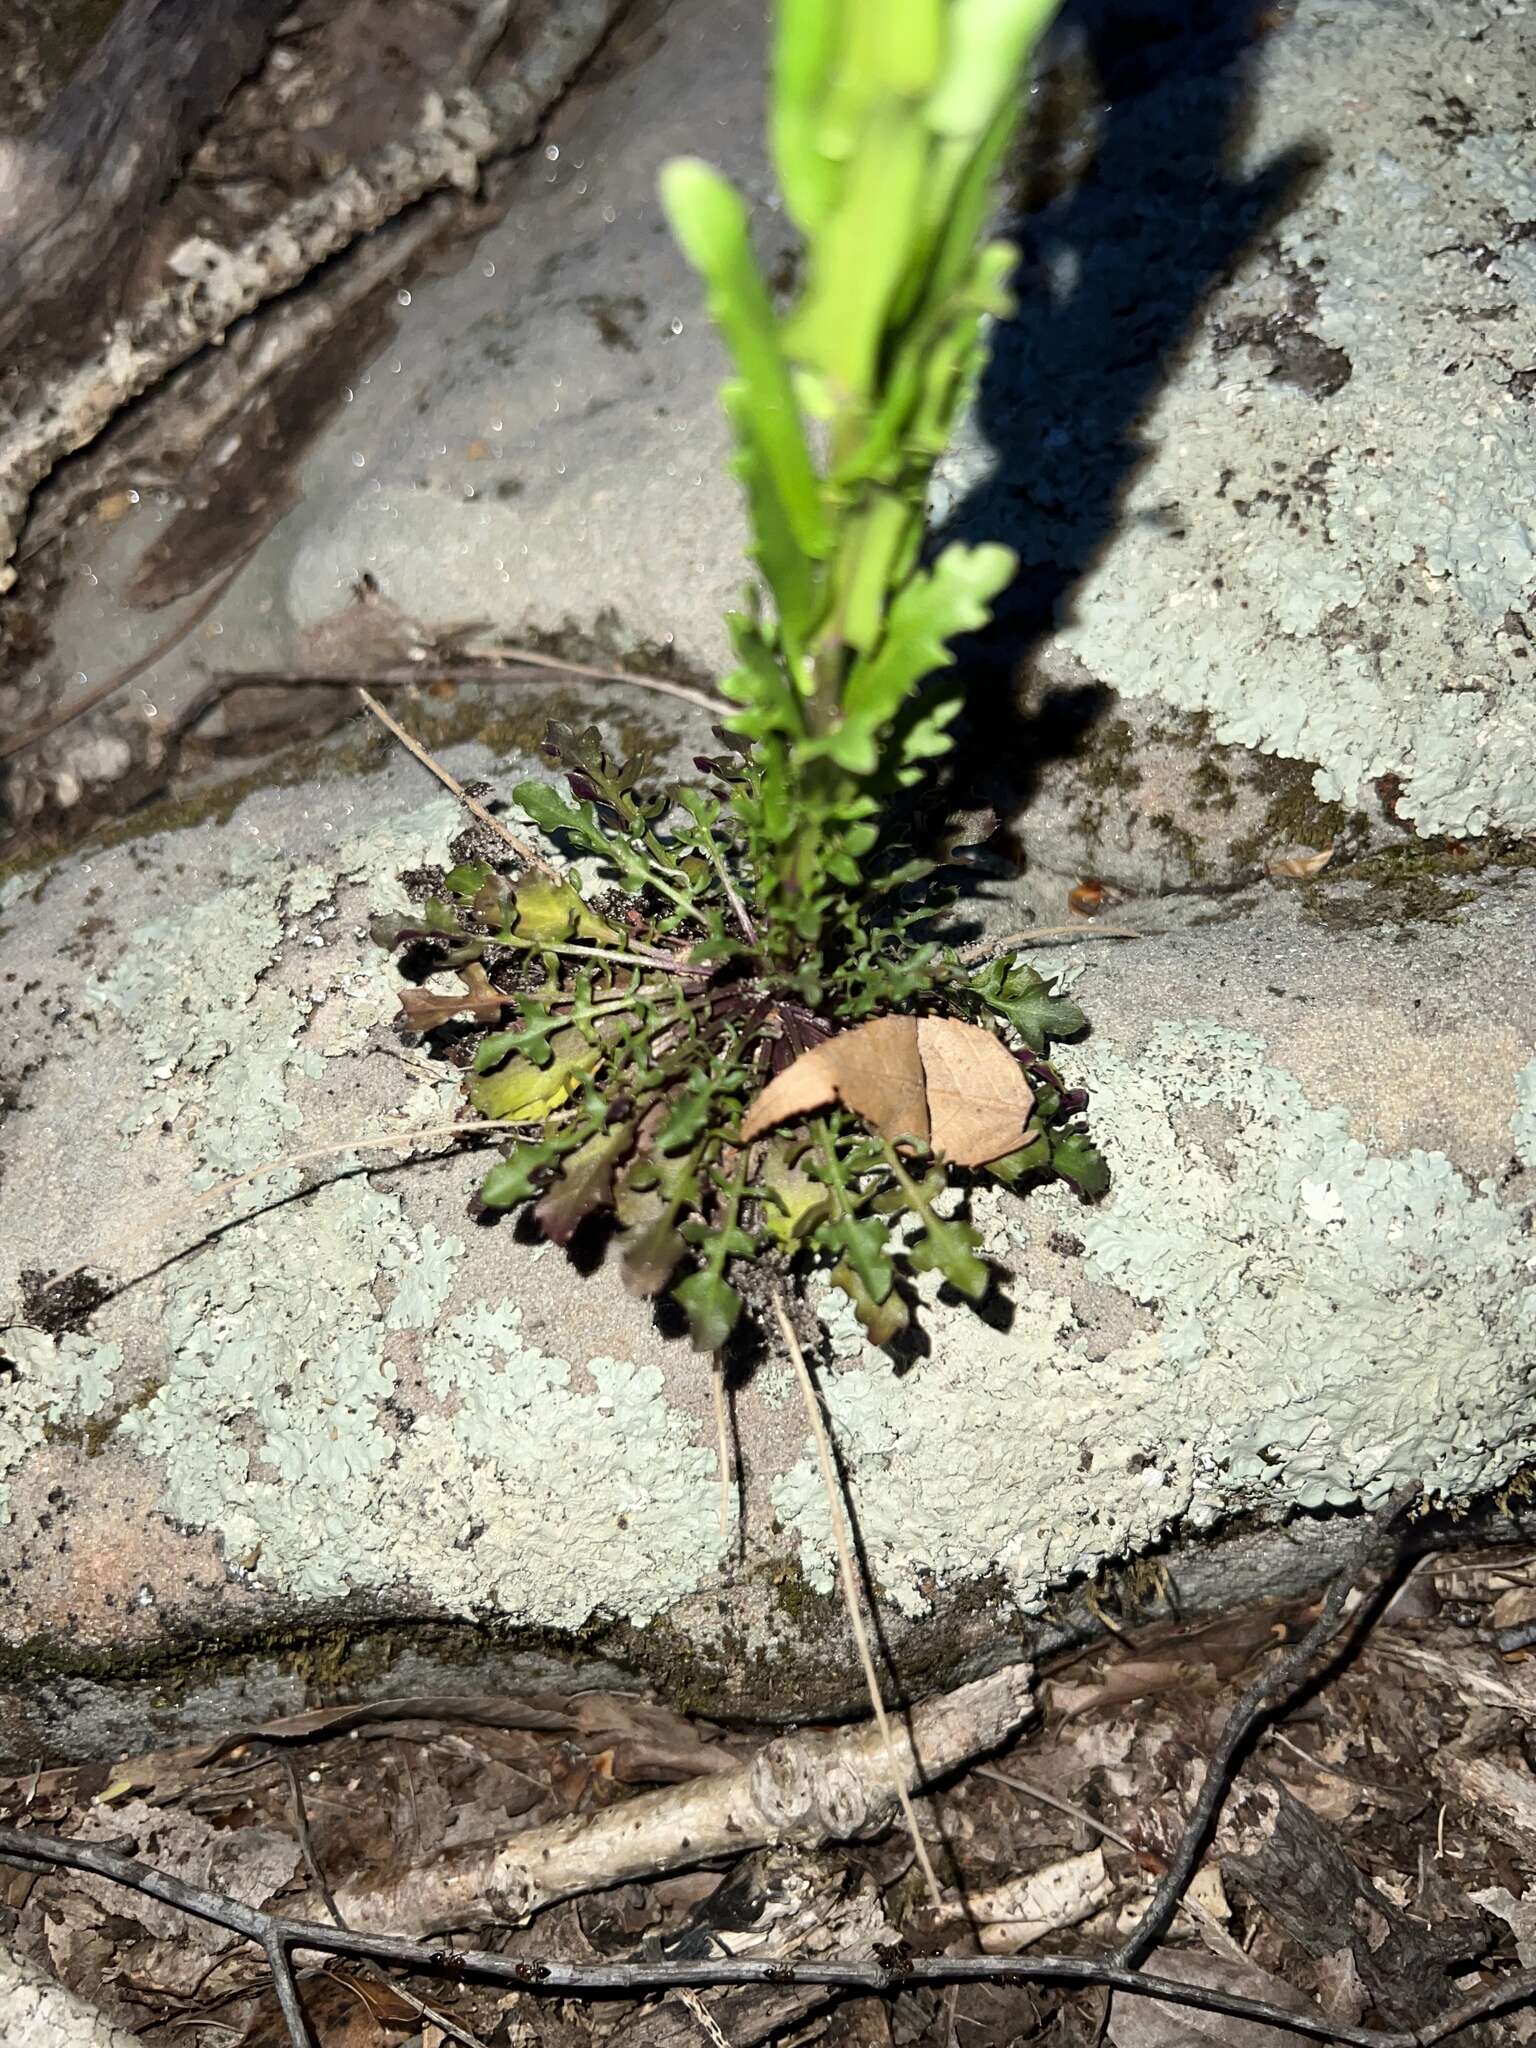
x,y
1261,433
330,1407
1262,428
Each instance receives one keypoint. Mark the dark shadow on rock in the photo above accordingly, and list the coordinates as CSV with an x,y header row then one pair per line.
x,y
1128,212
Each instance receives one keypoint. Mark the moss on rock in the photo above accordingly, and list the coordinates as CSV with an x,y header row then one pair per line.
x,y
1294,813
1419,882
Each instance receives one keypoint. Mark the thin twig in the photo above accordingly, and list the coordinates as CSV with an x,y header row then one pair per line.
x,y
637,956
289,2004
1402,1801
164,1218
30,1851
489,669
723,1447
851,1590
716,706
523,848
1277,1683
739,909
1077,1813
120,678
1041,934
1081,1814
317,1876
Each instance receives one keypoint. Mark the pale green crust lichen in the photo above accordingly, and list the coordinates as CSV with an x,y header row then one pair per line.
x,y
272,1404
1322,542
57,1383
279,1426
1330,1323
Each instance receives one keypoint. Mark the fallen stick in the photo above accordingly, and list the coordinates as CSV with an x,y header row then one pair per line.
x,y
1374,1555
808,1788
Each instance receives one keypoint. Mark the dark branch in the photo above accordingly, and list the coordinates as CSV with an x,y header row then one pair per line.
x,y
289,2004
1376,1553
278,1938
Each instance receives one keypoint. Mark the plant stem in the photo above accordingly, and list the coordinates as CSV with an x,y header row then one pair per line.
x,y
606,1008
583,952
650,873
835,1185
904,1180
738,909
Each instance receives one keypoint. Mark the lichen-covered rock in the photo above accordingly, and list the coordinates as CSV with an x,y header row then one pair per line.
x,y
331,1403
1278,357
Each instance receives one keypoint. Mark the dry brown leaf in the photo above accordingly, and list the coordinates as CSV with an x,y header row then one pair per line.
x,y
978,1098
1514,1607
1299,867
1130,1679
875,1070
424,1011
932,1080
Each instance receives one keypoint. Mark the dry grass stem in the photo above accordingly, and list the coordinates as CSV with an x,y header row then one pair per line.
x,y
723,1442
110,685
1038,934
851,1590
523,848
715,706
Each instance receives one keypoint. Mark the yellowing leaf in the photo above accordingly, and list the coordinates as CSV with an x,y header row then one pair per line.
x,y
520,1092
556,910
932,1080
801,1202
